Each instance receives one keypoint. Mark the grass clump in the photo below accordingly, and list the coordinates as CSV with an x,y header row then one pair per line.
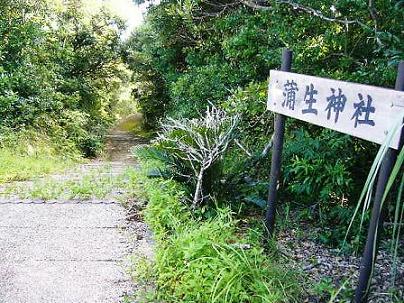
x,y
98,183
27,154
207,259
18,167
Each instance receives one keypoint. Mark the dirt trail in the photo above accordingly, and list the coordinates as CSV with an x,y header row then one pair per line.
x,y
71,251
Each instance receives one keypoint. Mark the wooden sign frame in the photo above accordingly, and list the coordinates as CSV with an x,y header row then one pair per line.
x,y
370,250
363,111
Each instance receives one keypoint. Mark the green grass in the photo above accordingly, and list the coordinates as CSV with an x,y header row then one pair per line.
x,y
15,167
97,183
207,260
27,154
134,124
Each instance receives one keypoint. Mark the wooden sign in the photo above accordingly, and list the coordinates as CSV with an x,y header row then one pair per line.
x,y
363,111
359,110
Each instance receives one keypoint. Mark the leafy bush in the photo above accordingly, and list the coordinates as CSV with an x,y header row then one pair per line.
x,y
193,149
255,122
59,72
207,260
318,168
246,164
191,91
323,173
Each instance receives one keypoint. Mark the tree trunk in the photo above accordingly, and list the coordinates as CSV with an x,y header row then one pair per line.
x,y
198,189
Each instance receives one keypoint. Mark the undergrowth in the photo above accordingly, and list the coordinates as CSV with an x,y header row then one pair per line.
x,y
98,183
206,260
28,154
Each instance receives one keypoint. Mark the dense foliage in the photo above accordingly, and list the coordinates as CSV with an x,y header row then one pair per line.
x,y
190,53
60,69
193,53
214,260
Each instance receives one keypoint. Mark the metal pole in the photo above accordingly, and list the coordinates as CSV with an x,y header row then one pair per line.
x,y
279,131
376,221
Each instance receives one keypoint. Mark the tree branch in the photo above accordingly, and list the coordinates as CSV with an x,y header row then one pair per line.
x,y
264,5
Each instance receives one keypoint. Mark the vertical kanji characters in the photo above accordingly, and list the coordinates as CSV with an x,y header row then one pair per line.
x,y
289,94
310,100
336,103
362,108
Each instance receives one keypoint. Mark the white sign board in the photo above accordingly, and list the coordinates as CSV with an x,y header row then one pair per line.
x,y
363,111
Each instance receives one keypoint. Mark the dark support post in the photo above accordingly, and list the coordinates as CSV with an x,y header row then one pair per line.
x,y
279,131
376,221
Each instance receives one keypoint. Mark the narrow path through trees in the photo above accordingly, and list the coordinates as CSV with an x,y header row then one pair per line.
x,y
73,250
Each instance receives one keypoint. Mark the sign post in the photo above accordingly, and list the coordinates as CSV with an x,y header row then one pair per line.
x,y
376,221
363,111
279,131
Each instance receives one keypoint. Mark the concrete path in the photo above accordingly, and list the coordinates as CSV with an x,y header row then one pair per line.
x,y
67,251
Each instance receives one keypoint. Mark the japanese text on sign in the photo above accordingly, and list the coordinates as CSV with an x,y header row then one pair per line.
x,y
362,111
